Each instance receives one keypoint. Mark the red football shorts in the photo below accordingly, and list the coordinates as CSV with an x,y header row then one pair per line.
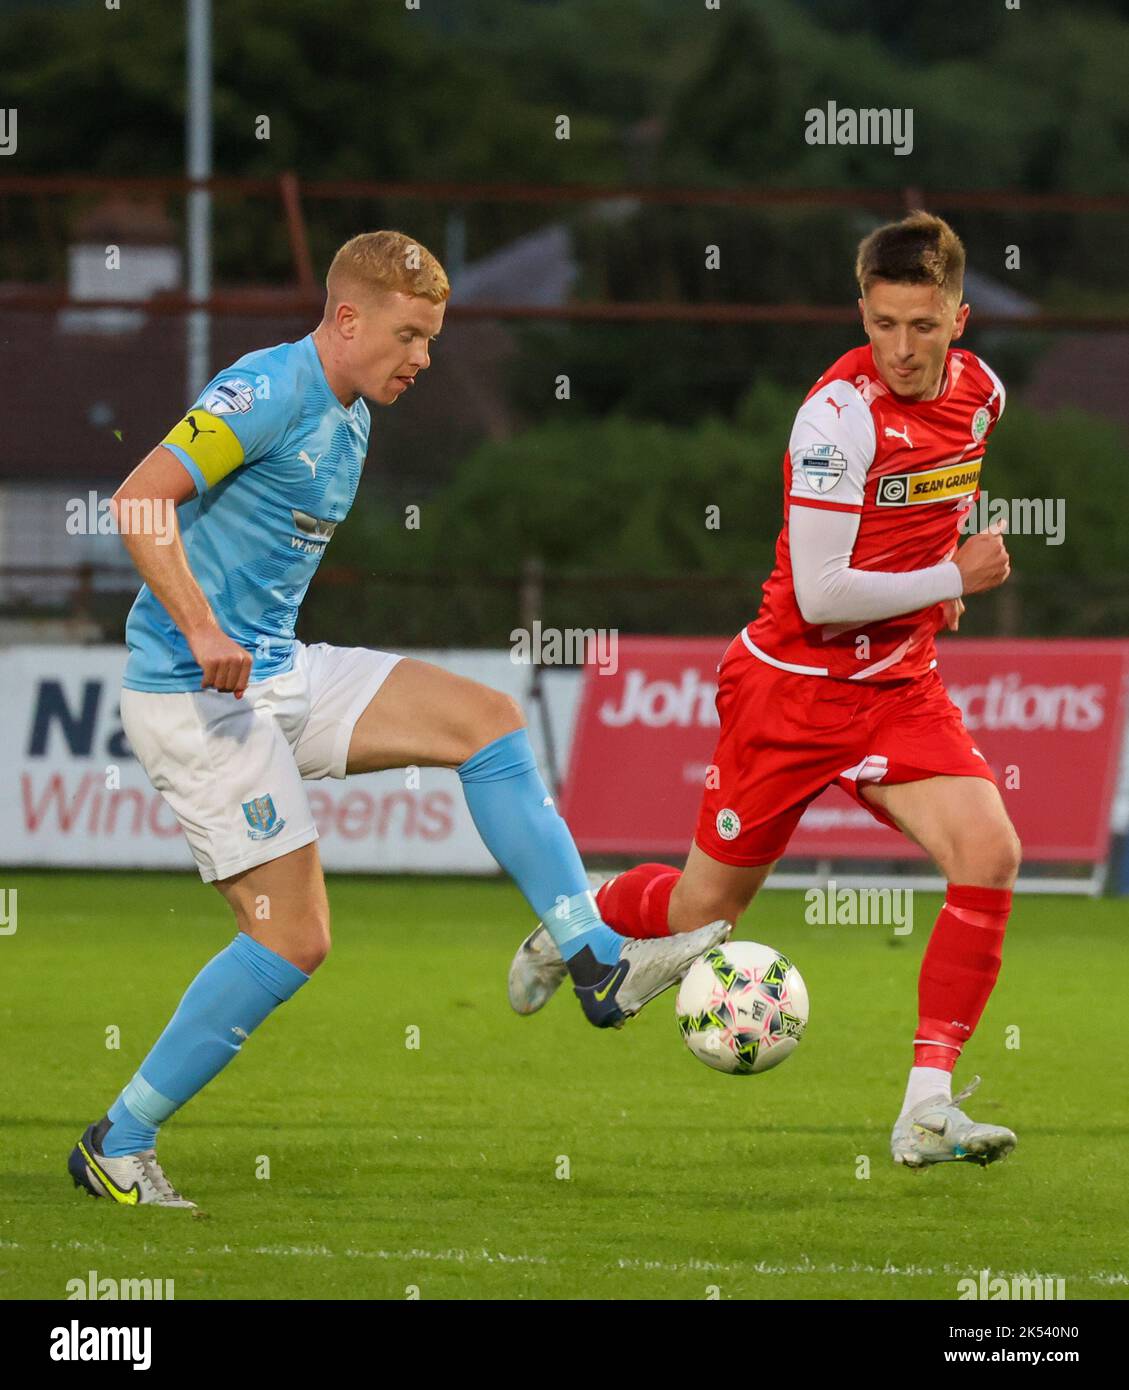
x,y
785,737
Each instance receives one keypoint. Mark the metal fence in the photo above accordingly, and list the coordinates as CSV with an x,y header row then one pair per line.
x,y
89,603
272,236
304,220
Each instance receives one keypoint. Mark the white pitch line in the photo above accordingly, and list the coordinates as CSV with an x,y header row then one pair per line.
x,y
911,1271
693,1266
453,1255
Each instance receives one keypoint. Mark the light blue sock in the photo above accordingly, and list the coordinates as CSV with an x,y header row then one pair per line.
x,y
522,829
222,1006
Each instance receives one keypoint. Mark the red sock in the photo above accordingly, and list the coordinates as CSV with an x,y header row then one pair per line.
x,y
636,903
958,971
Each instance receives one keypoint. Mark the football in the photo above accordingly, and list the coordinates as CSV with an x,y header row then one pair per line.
x,y
742,1008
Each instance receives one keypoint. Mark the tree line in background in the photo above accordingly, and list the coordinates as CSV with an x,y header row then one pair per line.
x,y
658,91
613,507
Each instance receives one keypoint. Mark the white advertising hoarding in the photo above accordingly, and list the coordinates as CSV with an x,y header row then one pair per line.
x,y
74,795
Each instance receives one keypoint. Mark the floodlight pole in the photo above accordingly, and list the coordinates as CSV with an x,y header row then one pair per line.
x,y
198,138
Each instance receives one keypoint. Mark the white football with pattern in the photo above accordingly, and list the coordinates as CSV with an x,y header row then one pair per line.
x,y
742,1008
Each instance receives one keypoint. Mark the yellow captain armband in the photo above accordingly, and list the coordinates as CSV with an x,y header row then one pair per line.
x,y
209,443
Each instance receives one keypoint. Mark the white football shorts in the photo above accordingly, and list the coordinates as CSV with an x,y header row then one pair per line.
x,y
232,770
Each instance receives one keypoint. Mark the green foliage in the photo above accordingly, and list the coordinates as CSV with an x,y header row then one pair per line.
x,y
656,90
628,496
351,92
1077,459
662,422
614,495
621,497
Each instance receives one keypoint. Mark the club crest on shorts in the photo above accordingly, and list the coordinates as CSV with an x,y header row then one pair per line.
x,y
728,824
262,817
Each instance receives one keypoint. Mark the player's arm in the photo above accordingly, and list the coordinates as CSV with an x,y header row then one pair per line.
x,y
155,488
227,428
832,447
828,590
954,608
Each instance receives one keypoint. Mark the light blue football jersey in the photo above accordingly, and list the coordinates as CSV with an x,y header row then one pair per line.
x,y
276,459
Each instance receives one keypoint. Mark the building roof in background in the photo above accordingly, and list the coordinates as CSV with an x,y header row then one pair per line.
x,y
1087,371
536,269
127,221
66,393
70,394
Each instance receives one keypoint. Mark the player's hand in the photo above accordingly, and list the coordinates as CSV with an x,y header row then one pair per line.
x,y
983,560
225,664
954,607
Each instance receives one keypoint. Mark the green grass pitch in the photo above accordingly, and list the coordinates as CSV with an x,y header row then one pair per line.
x,y
437,1168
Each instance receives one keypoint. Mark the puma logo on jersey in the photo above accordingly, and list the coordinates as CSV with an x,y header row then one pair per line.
x,y
196,430
899,434
828,400
311,463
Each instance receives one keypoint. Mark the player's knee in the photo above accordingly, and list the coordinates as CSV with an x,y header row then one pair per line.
x,y
309,944
311,948
1010,855
496,714
990,857
506,713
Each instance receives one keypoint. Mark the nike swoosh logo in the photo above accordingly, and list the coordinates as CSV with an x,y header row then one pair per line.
x,y
128,1199
601,995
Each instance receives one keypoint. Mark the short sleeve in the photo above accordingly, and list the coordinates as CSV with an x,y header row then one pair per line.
x,y
831,448
233,422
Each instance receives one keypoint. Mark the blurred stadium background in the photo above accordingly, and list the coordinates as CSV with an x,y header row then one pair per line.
x,y
581,258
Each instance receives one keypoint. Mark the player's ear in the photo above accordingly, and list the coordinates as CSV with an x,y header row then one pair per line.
x,y
960,321
345,318
862,309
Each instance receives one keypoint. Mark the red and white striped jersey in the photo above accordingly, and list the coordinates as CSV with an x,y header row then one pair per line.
x,y
909,470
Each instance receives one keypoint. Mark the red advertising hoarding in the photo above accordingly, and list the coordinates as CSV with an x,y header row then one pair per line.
x,y
1048,716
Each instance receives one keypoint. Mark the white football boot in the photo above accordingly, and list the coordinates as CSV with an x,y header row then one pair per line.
x,y
937,1131
131,1180
645,969
652,965
536,972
